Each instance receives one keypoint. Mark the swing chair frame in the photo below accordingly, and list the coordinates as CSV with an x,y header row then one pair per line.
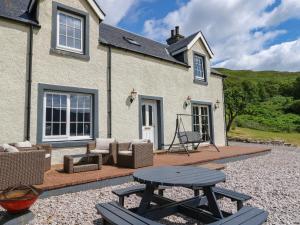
x,y
188,137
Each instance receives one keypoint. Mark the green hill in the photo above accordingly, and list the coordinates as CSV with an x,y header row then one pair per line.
x,y
269,113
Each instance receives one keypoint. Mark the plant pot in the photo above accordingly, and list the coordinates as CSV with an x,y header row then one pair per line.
x,y
19,199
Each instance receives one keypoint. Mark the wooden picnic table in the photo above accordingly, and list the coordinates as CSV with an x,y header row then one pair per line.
x,y
178,176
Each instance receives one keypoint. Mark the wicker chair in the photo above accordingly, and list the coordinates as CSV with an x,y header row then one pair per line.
x,y
141,155
25,167
45,147
109,157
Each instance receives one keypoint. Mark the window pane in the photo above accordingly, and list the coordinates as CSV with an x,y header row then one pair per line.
x,y
87,116
73,101
78,33
63,128
73,115
77,23
62,40
87,102
80,129
73,129
70,21
49,100
77,44
63,101
63,115
70,32
144,115
87,128
48,114
150,115
55,128
62,18
56,115
48,129
80,115
81,102
56,101
70,42
62,30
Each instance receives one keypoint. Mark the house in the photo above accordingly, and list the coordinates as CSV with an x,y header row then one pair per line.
x,y
67,78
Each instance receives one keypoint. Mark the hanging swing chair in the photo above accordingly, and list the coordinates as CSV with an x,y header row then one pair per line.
x,y
188,138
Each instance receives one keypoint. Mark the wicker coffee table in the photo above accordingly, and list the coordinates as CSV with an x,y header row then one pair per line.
x,y
87,162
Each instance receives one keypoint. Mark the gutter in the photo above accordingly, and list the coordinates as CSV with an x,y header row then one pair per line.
x,y
109,110
21,20
29,83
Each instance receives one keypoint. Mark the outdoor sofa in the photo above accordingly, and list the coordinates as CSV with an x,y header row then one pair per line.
x,y
135,154
21,168
107,147
39,147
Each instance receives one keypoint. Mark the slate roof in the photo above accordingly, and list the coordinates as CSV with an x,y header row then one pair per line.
x,y
115,37
16,10
182,43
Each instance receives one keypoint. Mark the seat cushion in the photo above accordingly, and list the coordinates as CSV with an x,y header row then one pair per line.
x,y
47,156
23,144
103,143
137,141
98,151
9,148
129,153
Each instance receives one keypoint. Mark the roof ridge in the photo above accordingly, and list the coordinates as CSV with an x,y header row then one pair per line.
x,y
178,42
134,34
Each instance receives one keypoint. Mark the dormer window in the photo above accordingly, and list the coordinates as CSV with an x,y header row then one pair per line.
x,y
70,32
199,67
131,41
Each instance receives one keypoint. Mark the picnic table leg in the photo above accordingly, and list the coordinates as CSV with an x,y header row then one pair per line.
x,y
212,202
146,199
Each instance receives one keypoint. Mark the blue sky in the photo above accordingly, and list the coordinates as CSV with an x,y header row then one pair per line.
x,y
256,34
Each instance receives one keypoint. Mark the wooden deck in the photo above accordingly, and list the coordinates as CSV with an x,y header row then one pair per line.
x,y
55,178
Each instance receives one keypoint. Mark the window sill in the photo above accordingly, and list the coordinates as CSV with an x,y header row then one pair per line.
x,y
54,51
64,144
201,82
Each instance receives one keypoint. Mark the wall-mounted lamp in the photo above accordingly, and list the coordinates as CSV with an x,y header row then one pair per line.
x,y
187,102
133,95
217,104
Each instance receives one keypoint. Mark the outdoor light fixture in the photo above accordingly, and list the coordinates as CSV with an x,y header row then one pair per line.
x,y
187,102
217,104
133,95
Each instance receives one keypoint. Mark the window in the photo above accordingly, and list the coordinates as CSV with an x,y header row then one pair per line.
x,y
131,41
199,67
201,121
67,116
70,32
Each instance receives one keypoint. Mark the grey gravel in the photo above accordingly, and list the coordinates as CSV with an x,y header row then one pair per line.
x,y
273,180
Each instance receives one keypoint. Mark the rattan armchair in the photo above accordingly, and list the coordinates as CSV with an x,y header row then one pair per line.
x,y
141,155
44,147
21,168
109,157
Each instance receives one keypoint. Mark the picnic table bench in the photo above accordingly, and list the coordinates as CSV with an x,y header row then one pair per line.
x,y
114,214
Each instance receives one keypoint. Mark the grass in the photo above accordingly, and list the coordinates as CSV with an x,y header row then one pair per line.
x,y
292,138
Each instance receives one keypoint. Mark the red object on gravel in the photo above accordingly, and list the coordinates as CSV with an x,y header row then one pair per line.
x,y
19,199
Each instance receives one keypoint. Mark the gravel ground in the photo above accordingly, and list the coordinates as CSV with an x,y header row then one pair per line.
x,y
273,180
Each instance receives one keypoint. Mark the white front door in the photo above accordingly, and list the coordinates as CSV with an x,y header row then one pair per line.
x,y
201,121
149,121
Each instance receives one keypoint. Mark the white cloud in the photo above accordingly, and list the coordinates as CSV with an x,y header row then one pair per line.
x,y
115,10
235,28
282,57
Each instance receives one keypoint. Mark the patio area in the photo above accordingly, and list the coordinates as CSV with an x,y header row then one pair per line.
x,y
270,179
55,178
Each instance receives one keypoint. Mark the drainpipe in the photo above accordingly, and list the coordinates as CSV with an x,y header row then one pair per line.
x,y
29,82
224,113
109,111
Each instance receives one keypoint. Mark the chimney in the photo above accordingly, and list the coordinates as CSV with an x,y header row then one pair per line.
x,y
175,36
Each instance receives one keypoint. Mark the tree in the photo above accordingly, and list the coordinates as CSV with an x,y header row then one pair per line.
x,y
296,91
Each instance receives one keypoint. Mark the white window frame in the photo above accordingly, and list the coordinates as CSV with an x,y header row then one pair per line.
x,y
62,47
196,76
66,137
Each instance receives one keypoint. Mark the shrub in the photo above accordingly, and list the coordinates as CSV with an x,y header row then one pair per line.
x,y
295,107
